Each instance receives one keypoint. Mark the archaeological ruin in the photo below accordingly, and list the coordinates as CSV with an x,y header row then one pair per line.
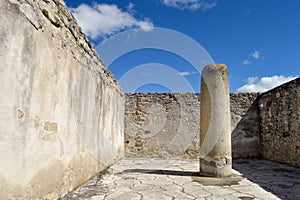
x,y
66,120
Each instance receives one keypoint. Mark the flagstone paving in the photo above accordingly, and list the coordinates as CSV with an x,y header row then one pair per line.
x,y
155,179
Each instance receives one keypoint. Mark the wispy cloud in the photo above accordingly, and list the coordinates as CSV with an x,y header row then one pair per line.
x,y
186,73
130,6
246,62
191,4
256,55
102,20
255,84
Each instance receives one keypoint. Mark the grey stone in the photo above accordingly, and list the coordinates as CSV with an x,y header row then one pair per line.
x,y
215,128
280,123
160,184
145,139
61,120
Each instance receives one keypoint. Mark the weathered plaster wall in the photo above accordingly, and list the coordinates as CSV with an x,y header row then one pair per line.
x,y
62,112
167,125
280,123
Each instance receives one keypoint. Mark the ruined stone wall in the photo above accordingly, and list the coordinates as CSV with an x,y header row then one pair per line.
x,y
280,123
167,125
245,124
62,112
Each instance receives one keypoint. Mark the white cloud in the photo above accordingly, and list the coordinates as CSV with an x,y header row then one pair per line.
x,y
254,84
102,20
190,4
256,54
184,73
130,6
246,62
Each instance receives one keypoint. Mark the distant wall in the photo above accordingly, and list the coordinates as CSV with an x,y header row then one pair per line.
x,y
62,112
167,125
162,124
280,123
245,124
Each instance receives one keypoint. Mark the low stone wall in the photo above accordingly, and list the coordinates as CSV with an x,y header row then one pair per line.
x,y
167,125
62,112
280,123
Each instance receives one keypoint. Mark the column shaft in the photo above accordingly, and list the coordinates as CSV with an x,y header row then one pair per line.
x,y
215,128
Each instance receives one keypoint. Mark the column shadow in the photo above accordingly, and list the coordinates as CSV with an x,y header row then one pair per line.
x,y
162,172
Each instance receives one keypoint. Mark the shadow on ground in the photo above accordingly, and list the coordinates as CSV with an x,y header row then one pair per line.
x,y
204,180
132,179
162,172
280,179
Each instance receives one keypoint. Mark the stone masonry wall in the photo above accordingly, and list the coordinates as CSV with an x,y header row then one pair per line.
x,y
280,123
245,125
167,125
62,112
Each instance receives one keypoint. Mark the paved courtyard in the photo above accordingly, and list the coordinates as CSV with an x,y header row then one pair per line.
x,y
155,179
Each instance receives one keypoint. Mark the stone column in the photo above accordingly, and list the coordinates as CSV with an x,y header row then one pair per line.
x,y
215,128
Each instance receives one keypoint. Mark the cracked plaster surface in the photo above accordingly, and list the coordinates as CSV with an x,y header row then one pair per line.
x,y
151,179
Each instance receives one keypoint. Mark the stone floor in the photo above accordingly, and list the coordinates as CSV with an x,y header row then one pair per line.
x,y
155,179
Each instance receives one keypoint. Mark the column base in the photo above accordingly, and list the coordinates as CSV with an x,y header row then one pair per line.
x,y
221,167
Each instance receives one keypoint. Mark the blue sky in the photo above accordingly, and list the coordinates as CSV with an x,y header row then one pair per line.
x,y
259,40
